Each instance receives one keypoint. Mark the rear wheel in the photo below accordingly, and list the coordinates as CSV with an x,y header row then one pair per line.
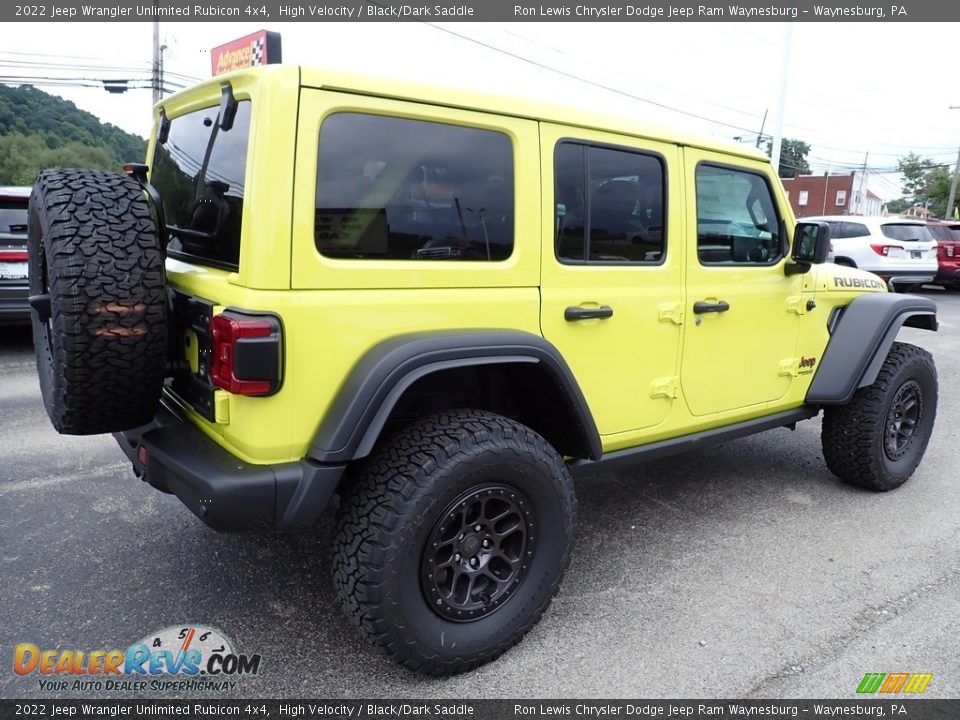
x,y
99,301
452,540
878,439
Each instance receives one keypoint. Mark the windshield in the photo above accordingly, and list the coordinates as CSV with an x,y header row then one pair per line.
x,y
941,232
199,172
13,219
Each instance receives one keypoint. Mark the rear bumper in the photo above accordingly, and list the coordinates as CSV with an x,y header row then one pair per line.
x,y
14,307
219,488
948,274
906,278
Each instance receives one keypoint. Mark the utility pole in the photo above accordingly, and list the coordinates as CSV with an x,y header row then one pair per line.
x,y
948,213
156,80
763,124
782,98
862,192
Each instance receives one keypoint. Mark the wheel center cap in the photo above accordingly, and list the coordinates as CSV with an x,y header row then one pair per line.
x,y
471,545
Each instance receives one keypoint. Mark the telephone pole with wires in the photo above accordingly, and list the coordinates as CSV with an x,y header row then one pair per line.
x,y
948,213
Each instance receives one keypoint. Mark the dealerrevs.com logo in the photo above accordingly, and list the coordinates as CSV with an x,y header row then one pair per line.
x,y
178,658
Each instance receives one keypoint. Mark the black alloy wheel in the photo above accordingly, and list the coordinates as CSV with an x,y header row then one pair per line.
x,y
478,552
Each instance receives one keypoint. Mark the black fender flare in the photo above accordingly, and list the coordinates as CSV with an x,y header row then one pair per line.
x,y
371,390
861,340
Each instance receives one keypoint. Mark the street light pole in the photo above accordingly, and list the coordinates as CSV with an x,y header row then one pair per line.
x,y
781,98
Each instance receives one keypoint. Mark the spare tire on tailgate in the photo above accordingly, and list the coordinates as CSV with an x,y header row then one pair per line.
x,y
99,301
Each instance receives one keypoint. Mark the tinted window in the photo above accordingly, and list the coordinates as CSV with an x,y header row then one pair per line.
x,y
609,205
737,221
398,189
841,230
941,232
906,233
199,172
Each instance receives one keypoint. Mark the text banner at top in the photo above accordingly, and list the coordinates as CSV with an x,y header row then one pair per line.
x,y
479,11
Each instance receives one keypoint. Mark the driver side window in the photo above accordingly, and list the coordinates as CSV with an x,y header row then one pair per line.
x,y
737,222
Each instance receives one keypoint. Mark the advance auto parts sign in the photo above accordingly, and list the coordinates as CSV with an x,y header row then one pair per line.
x,y
259,48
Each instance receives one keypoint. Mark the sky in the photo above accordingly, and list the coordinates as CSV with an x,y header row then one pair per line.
x,y
853,89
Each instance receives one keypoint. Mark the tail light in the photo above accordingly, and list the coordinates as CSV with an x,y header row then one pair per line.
x,y
13,256
885,249
247,353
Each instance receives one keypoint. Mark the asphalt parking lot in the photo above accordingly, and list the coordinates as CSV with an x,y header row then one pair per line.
x,y
745,570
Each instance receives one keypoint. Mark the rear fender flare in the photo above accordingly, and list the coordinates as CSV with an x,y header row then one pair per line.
x,y
357,415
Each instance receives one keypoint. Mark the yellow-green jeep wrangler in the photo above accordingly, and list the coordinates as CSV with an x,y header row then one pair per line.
x,y
441,306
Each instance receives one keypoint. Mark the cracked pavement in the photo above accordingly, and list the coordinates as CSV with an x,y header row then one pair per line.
x,y
744,570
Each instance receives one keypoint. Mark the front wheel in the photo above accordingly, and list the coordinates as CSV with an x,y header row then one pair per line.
x,y
452,539
878,439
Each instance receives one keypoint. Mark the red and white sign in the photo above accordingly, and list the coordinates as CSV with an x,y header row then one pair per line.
x,y
259,48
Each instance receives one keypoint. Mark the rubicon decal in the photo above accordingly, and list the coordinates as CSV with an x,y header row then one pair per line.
x,y
863,283
186,651
892,683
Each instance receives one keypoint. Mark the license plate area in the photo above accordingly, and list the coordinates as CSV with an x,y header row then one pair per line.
x,y
191,348
916,254
13,270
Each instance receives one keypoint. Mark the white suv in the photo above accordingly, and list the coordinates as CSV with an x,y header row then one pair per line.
x,y
899,250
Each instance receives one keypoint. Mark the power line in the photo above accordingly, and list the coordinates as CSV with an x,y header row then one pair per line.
x,y
587,81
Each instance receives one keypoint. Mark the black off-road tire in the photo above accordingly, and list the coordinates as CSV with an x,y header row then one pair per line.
x,y
94,250
397,502
872,442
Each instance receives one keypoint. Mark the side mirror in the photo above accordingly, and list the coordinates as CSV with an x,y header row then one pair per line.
x,y
811,244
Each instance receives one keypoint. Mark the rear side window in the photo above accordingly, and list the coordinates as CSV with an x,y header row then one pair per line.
x,y
842,230
609,205
906,233
199,172
737,221
397,189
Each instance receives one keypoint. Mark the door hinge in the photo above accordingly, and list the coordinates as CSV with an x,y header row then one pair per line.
x,y
799,304
797,366
789,367
670,311
667,387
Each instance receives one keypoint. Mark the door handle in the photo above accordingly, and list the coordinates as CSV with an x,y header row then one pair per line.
x,y
701,306
572,314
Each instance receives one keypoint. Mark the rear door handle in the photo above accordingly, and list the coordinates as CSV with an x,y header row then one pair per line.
x,y
701,306
572,314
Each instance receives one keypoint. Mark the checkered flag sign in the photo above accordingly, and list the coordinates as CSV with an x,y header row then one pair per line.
x,y
256,52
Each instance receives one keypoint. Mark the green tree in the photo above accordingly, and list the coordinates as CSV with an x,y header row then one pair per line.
x,y
28,111
925,183
914,170
793,157
20,158
23,156
898,205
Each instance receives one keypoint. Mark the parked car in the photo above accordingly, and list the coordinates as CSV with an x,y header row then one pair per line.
x,y
13,255
899,250
947,235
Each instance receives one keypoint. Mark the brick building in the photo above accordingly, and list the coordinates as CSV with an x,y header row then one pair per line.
x,y
827,194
